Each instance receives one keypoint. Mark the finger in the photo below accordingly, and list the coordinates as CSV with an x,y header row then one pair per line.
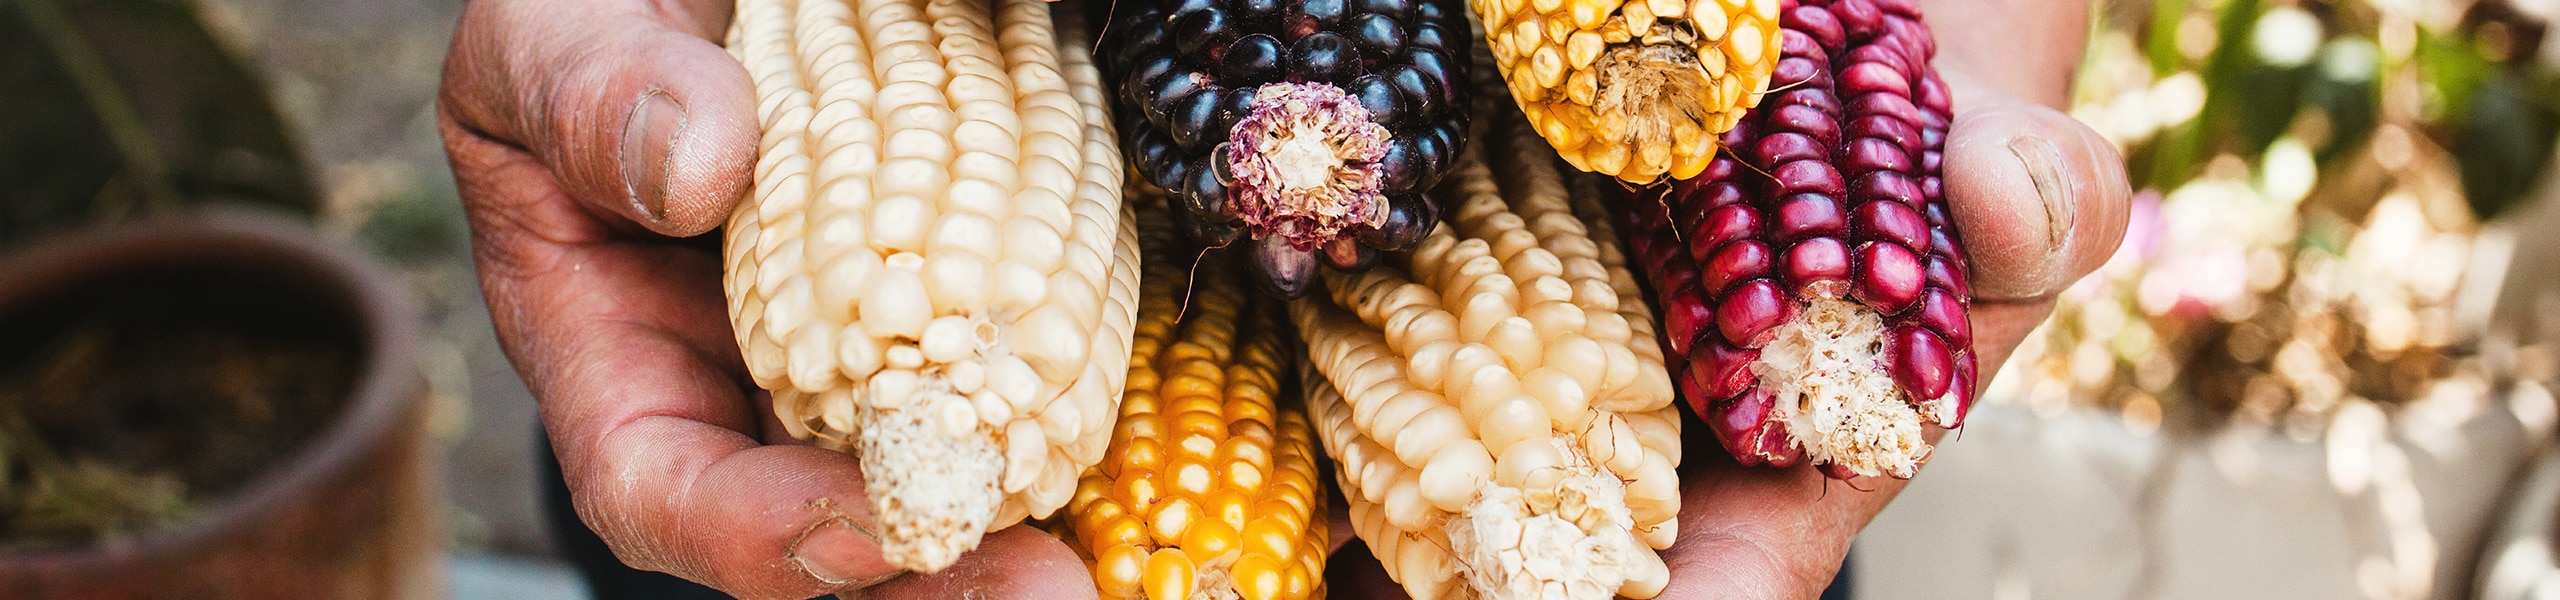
x,y
1983,38
656,438
1753,532
2039,199
1017,562
630,103
1749,532
627,345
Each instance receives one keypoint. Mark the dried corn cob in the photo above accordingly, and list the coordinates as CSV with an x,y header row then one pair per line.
x,y
1500,412
934,272
1312,125
1818,292
1209,489
1633,89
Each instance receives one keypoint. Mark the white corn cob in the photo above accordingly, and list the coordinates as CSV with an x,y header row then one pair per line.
x,y
1497,403
935,272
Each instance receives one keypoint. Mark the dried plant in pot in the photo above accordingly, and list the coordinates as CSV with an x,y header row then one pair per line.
x,y
220,407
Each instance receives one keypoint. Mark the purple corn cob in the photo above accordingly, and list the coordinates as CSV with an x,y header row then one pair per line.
x,y
1811,275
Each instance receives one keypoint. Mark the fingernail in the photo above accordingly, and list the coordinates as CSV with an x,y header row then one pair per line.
x,y
649,137
840,552
2044,164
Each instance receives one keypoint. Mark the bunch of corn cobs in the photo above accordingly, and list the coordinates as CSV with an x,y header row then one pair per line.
x,y
1012,280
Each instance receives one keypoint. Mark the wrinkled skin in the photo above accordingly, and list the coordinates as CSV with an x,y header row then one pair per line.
x,y
588,214
606,294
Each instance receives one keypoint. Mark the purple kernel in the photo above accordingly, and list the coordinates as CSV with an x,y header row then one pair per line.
x,y
1801,72
1868,155
1942,274
1873,78
1684,318
1737,262
1933,93
1808,177
1817,24
1895,222
1860,19
1888,128
1783,148
1819,267
1888,55
1726,225
1920,362
1895,105
1749,317
1807,215
1885,186
1941,312
1818,98
1963,387
1807,120
1889,277
1721,370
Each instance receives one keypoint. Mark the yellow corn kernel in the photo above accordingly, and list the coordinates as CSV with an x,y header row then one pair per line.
x,y
1170,574
869,285
1624,87
1463,429
1209,475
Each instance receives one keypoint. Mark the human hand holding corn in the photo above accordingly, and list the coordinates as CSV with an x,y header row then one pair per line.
x,y
2040,200
579,150
592,141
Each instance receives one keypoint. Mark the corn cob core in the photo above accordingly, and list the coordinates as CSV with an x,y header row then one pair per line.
x,y
1633,89
1301,165
1502,421
1316,122
1208,490
933,271
1818,290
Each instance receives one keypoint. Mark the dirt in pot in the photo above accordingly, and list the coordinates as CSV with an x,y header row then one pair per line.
x,y
135,412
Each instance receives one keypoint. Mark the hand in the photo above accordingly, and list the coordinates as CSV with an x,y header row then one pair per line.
x,y
593,141
2040,201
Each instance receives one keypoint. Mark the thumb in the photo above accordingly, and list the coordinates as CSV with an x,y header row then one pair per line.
x,y
1016,562
633,110
2039,197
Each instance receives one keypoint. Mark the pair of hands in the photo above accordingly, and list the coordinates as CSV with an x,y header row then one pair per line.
x,y
594,141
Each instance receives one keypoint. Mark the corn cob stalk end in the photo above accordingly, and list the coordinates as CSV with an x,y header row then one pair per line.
x,y
1208,490
1502,419
1812,276
1633,89
934,271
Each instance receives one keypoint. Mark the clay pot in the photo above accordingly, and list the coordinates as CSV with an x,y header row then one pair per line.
x,y
350,513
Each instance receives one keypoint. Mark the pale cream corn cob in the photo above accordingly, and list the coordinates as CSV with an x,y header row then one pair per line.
x,y
1209,490
1633,89
935,272
1498,407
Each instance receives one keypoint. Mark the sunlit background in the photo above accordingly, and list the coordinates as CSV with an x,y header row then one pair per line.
x,y
2319,367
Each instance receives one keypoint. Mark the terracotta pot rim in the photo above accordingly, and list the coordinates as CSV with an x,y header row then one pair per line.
x,y
384,392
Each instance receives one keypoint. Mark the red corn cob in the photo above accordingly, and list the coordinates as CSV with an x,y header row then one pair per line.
x,y
1811,275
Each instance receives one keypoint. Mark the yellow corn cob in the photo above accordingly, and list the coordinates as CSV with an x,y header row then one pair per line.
x,y
1634,89
934,272
1209,489
1498,406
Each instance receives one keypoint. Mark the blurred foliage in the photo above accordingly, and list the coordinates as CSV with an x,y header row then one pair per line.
x,y
2313,176
2463,73
122,108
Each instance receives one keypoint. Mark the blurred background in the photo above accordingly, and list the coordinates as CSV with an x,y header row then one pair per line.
x,y
2320,367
